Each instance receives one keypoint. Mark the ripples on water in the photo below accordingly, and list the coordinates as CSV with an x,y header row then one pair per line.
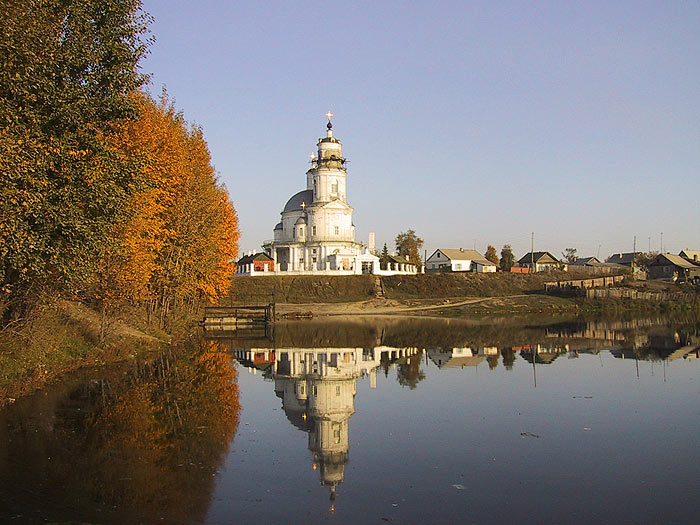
x,y
404,421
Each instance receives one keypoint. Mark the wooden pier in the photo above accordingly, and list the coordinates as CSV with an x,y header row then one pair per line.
x,y
233,317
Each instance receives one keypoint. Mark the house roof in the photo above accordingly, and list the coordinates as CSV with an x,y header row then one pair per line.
x,y
586,261
538,257
294,203
459,361
247,259
664,259
621,258
399,259
464,255
692,255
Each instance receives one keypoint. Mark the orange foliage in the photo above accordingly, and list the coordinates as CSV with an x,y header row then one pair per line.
x,y
182,238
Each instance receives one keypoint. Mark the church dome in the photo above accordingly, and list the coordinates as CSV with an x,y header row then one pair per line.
x,y
294,203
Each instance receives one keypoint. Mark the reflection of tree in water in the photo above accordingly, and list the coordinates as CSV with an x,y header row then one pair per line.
x,y
492,361
141,446
508,357
410,374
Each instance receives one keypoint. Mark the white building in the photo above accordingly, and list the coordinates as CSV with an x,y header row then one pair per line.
x,y
316,234
459,261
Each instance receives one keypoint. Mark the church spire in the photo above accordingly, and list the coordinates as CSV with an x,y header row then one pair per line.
x,y
329,126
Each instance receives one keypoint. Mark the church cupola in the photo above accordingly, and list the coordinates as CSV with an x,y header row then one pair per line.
x,y
327,175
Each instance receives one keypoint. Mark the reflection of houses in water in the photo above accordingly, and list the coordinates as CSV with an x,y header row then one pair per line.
x,y
625,339
461,357
664,347
606,333
317,387
541,354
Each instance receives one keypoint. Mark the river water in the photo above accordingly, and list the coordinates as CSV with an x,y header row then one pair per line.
x,y
538,420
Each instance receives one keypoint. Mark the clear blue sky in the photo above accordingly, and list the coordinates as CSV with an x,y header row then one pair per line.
x,y
472,123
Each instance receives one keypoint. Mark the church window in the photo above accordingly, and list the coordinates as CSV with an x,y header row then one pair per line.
x,y
334,187
337,391
313,232
337,230
315,390
301,231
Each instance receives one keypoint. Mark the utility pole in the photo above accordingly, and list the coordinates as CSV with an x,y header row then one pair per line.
x,y
532,252
634,253
661,250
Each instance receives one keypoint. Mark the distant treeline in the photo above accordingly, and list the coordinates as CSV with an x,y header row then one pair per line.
x,y
107,195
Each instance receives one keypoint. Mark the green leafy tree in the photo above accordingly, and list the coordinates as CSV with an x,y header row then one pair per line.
x,y
569,255
507,258
643,260
68,69
491,255
384,258
408,244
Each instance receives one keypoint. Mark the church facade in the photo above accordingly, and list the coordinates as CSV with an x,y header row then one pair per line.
x,y
316,233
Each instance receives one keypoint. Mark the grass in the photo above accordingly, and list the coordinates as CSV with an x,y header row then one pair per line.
x,y
56,341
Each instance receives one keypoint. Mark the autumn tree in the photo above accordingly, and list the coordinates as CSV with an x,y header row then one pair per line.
x,y
68,70
182,238
408,244
507,258
491,255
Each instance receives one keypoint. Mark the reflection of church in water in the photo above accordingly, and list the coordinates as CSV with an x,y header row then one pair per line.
x,y
317,387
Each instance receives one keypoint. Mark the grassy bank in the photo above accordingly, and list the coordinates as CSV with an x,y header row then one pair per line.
x,y
64,337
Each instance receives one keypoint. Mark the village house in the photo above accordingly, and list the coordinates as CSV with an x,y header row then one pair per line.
x,y
255,263
674,267
448,260
541,262
593,265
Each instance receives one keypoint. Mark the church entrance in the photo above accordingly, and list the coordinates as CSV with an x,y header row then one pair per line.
x,y
283,258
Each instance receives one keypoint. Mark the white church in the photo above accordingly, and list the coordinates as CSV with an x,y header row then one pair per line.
x,y
316,234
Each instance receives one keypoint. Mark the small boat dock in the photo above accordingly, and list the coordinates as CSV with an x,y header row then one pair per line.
x,y
233,317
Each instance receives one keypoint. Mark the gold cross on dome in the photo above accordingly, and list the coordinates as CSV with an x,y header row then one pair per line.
x,y
329,115
303,205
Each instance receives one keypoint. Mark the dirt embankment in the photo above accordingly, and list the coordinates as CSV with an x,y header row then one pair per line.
x,y
437,294
312,289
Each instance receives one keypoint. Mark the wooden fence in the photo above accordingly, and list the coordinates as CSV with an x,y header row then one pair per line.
x,y
581,286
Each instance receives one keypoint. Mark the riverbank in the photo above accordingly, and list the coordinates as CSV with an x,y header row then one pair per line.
x,y
445,295
65,337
